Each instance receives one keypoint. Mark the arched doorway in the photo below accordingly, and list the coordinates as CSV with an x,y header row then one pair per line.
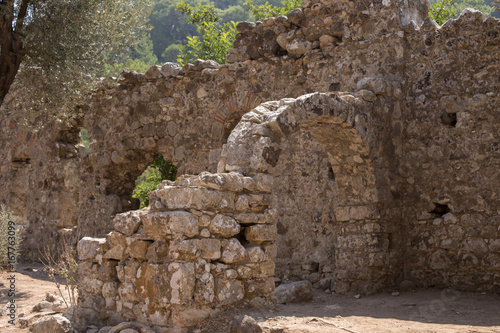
x,y
319,148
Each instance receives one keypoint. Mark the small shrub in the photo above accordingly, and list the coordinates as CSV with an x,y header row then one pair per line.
x,y
216,39
442,11
267,10
65,266
151,178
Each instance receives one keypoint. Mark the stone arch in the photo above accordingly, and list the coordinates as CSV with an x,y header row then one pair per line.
x,y
340,122
235,106
186,129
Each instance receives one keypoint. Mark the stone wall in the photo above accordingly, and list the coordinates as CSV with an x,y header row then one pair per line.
x,y
205,243
40,175
450,160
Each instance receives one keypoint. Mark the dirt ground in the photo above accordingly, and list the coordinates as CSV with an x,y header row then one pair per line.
x,y
419,311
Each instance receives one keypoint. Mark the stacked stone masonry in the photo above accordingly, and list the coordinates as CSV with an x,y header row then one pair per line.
x,y
375,133
205,242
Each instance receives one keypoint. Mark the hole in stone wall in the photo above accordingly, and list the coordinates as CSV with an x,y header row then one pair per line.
x,y
241,237
151,178
449,119
85,141
20,161
440,209
331,174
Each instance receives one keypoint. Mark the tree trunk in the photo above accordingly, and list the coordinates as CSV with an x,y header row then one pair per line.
x,y
11,47
10,60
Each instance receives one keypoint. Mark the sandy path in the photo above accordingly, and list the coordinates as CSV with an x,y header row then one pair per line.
x,y
440,311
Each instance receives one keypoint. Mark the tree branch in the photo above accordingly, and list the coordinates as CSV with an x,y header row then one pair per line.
x,y
23,10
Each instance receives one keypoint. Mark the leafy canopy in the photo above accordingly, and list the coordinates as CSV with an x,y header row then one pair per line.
x,y
216,39
60,48
442,11
268,10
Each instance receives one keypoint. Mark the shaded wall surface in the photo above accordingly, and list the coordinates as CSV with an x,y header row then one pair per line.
x,y
403,185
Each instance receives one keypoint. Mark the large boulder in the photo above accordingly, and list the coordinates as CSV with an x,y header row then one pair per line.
x,y
52,324
293,292
245,324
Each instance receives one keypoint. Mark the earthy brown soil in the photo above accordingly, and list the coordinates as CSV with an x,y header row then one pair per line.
x,y
419,311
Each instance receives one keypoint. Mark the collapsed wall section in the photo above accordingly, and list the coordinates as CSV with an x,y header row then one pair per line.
x,y
40,183
205,243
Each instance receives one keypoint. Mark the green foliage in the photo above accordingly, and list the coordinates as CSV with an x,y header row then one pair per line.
x,y
442,11
84,140
234,13
141,58
199,14
66,45
144,50
10,239
171,53
215,40
484,6
487,7
496,5
149,181
169,26
268,10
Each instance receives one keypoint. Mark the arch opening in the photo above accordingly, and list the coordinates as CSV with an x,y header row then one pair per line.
x,y
151,178
326,198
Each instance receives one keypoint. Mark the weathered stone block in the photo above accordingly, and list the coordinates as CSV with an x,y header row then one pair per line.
x,y
270,251
184,318
53,324
260,233
89,247
256,270
127,292
159,225
88,269
110,289
127,272
191,249
293,292
153,286
157,252
195,198
182,282
255,254
229,291
137,248
260,287
224,226
252,218
90,285
205,289
116,253
107,270
245,324
220,181
233,251
347,213
128,223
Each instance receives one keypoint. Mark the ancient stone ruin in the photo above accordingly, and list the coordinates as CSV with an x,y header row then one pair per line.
x,y
354,144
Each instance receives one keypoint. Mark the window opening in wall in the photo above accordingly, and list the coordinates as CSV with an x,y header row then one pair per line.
x,y
151,178
440,209
84,140
449,119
